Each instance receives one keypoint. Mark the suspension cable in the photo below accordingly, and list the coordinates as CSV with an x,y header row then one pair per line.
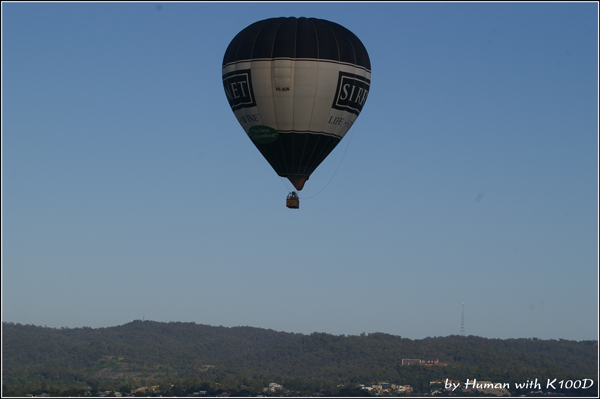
x,y
336,169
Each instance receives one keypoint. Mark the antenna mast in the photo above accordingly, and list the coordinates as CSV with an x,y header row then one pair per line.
x,y
462,320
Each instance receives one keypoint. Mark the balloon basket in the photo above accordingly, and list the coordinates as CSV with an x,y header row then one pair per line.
x,y
292,201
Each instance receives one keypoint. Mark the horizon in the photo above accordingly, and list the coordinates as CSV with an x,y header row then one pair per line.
x,y
306,334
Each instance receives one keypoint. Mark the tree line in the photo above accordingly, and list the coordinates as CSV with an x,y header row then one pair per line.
x,y
188,356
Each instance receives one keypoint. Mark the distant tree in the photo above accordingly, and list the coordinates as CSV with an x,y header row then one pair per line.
x,y
188,356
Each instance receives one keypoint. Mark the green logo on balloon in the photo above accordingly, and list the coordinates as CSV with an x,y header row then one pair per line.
x,y
263,134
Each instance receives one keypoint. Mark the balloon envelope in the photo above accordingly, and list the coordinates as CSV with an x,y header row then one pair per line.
x,y
296,86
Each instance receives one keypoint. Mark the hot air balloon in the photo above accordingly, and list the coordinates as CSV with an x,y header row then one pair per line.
x,y
296,86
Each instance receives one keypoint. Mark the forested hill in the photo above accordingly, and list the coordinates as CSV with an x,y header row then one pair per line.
x,y
187,349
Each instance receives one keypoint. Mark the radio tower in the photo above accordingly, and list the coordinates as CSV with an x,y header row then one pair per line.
x,y
462,320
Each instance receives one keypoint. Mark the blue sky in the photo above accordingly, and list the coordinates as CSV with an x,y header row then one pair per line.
x,y
129,189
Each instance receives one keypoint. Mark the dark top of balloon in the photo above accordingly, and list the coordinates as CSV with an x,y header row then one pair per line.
x,y
292,37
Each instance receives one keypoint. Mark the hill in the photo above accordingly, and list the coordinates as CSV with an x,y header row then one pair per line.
x,y
137,352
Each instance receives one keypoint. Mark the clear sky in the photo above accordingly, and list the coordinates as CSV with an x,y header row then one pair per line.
x,y
130,190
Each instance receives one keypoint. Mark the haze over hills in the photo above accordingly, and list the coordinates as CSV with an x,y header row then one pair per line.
x,y
152,350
